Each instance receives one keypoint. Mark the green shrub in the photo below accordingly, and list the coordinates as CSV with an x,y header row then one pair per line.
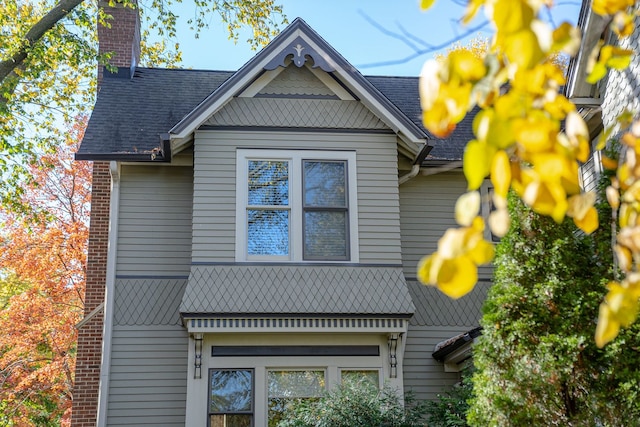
x,y
450,408
537,362
355,405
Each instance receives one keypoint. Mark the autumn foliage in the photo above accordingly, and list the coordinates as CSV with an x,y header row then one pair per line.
x,y
531,139
42,279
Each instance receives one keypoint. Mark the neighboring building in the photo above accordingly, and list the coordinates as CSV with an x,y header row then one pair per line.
x,y
255,235
602,103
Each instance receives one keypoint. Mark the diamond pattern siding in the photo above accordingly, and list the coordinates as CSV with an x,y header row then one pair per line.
x,y
433,308
296,289
622,88
148,301
296,81
296,112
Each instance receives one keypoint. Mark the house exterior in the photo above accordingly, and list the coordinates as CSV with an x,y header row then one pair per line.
x,y
600,104
255,236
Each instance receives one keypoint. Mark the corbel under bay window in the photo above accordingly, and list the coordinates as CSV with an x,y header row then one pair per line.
x,y
296,206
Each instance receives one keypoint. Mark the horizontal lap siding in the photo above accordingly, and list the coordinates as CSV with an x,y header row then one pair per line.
x,y
148,378
154,229
423,375
214,189
426,211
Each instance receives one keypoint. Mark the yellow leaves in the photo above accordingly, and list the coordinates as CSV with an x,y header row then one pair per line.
x,y
523,49
426,4
445,90
619,309
476,162
582,210
536,132
566,38
467,208
454,267
609,57
610,7
501,173
532,139
546,198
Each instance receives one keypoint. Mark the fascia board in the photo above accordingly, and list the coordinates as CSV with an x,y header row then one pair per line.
x,y
228,89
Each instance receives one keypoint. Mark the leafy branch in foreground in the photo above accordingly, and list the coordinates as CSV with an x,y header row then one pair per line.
x,y
531,139
49,57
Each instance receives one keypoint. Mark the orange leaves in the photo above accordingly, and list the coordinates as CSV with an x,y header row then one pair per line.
x,y
44,251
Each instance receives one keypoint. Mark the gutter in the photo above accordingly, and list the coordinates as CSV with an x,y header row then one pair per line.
x,y
105,365
417,163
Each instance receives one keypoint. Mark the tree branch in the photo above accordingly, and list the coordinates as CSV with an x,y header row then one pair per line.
x,y
39,29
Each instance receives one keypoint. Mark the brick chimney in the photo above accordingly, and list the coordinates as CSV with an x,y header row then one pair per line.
x,y
123,39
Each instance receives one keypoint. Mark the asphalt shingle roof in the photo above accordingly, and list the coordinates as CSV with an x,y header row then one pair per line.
x,y
131,113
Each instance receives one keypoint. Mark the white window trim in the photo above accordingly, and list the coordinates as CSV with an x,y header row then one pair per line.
x,y
295,158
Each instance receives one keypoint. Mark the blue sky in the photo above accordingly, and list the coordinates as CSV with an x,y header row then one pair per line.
x,y
347,26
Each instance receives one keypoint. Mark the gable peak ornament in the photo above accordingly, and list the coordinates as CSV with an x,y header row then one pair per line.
x,y
301,52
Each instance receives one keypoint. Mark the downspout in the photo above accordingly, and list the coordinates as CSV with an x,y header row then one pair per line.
x,y
417,163
105,365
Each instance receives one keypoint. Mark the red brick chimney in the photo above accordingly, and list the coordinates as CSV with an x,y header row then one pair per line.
x,y
123,40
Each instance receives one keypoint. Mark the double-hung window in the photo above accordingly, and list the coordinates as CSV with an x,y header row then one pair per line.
x,y
296,206
231,398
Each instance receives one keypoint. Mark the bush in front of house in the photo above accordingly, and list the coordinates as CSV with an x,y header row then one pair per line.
x,y
356,405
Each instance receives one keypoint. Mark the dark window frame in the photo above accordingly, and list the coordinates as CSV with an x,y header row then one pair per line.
x,y
253,395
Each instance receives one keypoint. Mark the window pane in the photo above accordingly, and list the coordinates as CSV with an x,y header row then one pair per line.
x,y
268,232
288,387
364,378
296,383
325,184
231,420
231,391
325,234
268,183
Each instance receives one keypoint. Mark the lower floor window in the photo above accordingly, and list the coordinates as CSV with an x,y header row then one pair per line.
x,y
369,378
230,398
289,387
231,392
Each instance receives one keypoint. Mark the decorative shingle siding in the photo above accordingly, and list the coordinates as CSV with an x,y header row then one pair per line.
x,y
148,301
297,289
296,113
622,88
297,81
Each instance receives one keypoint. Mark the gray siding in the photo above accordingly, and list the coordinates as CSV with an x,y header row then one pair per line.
x,y
154,230
437,318
423,375
148,378
214,188
426,211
